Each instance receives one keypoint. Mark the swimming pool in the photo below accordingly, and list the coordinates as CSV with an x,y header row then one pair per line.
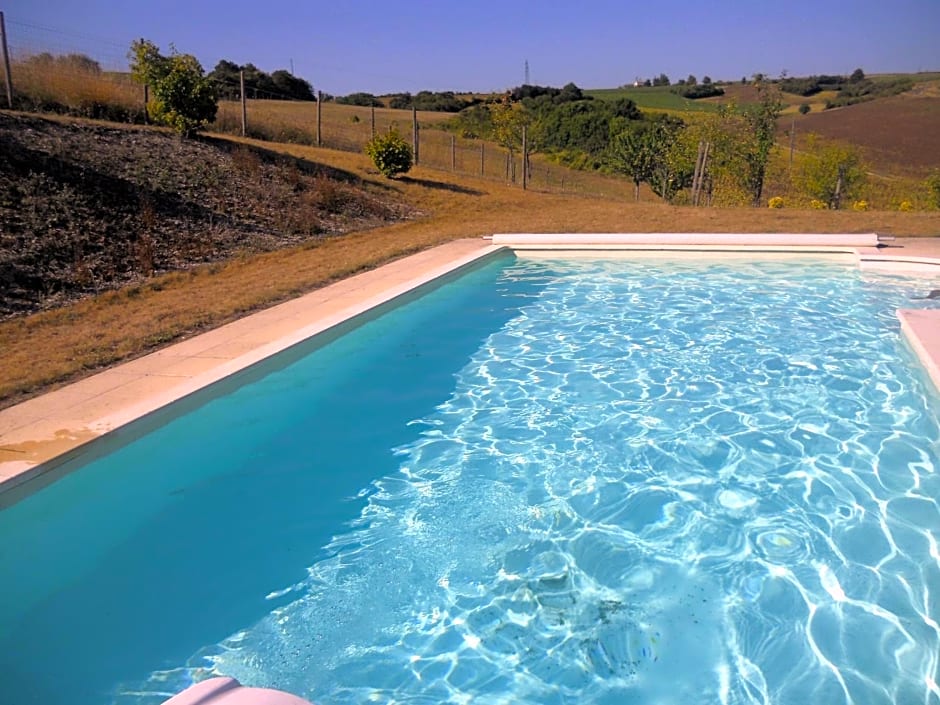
x,y
547,481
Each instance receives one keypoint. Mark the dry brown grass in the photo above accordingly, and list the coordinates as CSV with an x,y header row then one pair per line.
x,y
349,127
346,127
49,348
57,84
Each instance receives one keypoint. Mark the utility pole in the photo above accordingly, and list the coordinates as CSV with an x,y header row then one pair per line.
x,y
527,72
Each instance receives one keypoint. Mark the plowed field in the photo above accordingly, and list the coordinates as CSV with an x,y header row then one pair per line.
x,y
899,135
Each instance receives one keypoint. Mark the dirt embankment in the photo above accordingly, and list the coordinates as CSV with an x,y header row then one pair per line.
x,y
87,207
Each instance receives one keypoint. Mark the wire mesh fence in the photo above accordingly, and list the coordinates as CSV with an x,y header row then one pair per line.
x,y
63,71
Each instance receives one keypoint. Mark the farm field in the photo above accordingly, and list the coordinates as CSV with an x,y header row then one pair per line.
x,y
899,135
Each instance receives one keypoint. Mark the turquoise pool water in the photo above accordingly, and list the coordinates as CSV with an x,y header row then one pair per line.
x,y
547,481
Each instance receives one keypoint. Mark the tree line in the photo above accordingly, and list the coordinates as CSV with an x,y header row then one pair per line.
x,y
719,157
279,85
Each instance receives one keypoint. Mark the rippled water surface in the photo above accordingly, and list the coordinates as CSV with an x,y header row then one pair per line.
x,y
642,483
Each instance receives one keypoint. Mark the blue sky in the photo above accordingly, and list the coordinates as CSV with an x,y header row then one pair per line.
x,y
381,47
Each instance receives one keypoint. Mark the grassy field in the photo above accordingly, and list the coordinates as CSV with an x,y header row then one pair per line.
x,y
47,349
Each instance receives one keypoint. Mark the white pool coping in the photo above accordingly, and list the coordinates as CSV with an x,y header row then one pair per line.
x,y
749,241
40,434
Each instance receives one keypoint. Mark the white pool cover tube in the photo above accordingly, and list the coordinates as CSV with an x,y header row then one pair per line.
x,y
669,240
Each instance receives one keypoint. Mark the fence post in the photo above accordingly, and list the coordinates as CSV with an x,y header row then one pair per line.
x,y
319,121
241,81
373,121
453,153
414,131
525,160
6,62
146,102
482,159
790,167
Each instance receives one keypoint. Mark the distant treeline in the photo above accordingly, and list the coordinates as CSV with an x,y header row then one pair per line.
x,y
437,101
851,89
564,122
280,85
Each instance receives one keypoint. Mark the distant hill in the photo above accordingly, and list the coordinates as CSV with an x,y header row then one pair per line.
x,y
899,135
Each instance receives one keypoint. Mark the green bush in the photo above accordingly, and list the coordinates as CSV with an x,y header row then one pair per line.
x,y
933,188
181,95
390,153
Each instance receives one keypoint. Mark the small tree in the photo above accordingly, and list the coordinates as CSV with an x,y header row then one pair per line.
x,y
390,153
507,119
760,121
831,172
633,152
804,108
181,95
671,168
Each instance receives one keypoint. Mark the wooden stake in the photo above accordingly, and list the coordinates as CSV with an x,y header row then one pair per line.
x,y
702,172
792,138
8,78
525,159
482,159
373,121
695,174
453,153
414,131
146,102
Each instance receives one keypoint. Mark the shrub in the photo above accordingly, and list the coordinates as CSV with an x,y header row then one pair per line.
x,y
933,187
861,205
905,206
818,205
182,97
775,202
696,91
804,108
831,172
390,153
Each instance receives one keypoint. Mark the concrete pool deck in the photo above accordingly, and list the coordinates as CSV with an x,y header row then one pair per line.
x,y
56,424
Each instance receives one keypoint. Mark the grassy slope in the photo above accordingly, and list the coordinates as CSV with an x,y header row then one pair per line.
x,y
899,135
46,349
658,98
